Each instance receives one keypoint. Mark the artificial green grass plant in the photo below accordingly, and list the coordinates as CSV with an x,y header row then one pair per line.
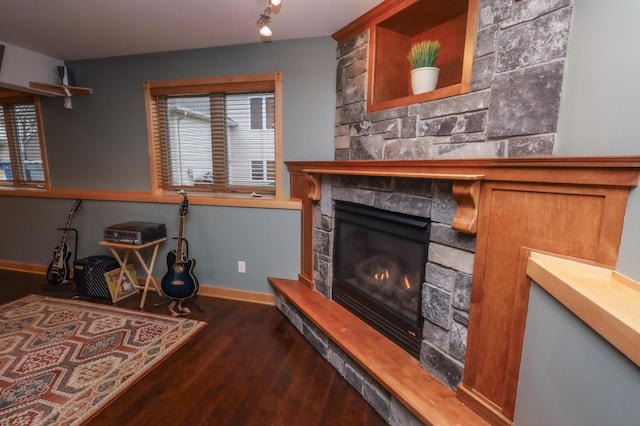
x,y
424,53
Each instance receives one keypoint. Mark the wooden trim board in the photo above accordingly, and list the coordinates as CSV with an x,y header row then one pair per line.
x,y
31,268
606,301
239,295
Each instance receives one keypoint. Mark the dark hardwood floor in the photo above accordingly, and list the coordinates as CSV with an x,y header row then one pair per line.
x,y
249,366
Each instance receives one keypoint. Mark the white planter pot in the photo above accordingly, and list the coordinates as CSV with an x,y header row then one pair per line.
x,y
424,79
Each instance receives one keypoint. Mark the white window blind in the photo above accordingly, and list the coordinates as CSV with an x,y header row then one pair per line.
x,y
212,140
21,161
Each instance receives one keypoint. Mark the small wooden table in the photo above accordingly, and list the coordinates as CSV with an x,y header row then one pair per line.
x,y
148,268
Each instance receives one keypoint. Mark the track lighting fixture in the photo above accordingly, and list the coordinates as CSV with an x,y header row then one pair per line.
x,y
264,20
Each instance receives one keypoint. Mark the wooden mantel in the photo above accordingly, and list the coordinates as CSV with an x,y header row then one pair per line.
x,y
566,206
621,171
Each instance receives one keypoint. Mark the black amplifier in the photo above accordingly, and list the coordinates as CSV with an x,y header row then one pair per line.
x,y
135,232
88,275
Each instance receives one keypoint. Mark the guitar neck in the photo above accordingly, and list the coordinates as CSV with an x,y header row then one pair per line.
x,y
66,230
179,257
61,248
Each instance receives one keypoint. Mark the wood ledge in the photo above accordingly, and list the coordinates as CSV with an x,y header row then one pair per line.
x,y
59,89
605,300
397,371
468,175
397,173
619,171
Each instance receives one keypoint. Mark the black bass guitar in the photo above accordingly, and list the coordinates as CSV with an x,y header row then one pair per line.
x,y
58,270
180,282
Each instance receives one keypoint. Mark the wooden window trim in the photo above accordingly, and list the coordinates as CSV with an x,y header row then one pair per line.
x,y
280,202
268,81
16,97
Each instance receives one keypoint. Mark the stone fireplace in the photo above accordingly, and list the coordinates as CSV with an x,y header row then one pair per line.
x,y
511,111
468,164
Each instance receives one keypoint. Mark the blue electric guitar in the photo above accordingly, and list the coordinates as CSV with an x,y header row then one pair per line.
x,y
179,282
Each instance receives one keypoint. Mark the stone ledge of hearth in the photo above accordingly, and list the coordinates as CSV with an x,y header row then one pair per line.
x,y
391,367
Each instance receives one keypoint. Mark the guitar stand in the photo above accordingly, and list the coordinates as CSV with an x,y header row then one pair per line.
x,y
75,253
181,310
75,242
172,302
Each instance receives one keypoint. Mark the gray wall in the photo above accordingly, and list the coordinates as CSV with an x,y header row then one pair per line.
x,y
599,108
104,136
102,144
569,375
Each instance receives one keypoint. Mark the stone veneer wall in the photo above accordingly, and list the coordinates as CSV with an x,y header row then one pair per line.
x,y
511,111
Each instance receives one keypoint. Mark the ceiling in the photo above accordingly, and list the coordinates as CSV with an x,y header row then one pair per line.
x,y
84,29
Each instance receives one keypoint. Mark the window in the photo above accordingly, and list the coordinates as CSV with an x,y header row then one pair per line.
x,y
21,158
262,112
262,170
216,134
256,113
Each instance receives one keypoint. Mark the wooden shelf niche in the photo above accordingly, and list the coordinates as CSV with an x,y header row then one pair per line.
x,y
394,26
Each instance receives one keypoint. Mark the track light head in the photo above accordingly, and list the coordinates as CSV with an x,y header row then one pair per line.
x,y
265,31
264,20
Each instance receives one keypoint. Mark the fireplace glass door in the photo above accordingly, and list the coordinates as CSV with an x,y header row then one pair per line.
x,y
379,263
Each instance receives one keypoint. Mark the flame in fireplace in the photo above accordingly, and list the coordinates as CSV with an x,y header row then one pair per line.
x,y
382,276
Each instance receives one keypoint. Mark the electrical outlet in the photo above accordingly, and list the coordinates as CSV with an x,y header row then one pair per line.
x,y
242,267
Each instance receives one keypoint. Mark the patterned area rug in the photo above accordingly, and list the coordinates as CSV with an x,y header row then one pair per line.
x,y
62,361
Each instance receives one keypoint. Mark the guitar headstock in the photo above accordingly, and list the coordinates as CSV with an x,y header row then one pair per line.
x,y
184,207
